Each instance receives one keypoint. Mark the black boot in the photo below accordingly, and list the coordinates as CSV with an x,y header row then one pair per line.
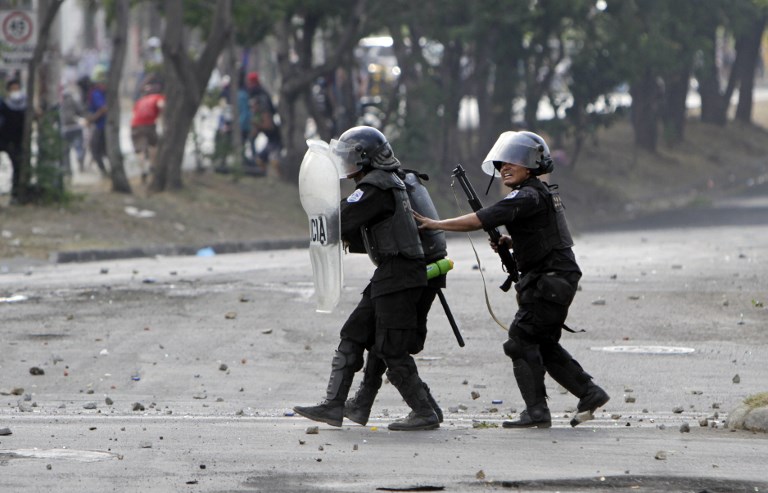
x,y
422,415
331,410
358,408
532,417
588,404
433,403
530,381
568,372
594,398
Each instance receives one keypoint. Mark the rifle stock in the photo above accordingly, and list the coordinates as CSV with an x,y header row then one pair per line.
x,y
507,260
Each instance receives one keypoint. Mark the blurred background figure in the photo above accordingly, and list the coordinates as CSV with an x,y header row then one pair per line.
x,y
264,121
144,135
97,116
13,107
71,115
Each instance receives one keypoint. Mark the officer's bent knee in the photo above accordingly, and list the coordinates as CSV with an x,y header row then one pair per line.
x,y
513,348
349,355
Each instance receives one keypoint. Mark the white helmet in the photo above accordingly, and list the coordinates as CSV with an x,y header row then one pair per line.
x,y
522,148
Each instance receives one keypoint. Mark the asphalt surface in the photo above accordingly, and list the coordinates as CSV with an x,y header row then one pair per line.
x,y
179,373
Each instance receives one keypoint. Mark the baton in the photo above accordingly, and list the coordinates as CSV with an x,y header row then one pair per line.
x,y
448,314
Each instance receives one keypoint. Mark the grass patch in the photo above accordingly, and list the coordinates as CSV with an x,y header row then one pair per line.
x,y
757,400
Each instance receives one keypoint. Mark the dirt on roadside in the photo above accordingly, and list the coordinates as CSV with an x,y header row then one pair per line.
x,y
210,209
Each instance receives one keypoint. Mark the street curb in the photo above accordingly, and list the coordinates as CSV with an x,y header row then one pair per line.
x,y
174,250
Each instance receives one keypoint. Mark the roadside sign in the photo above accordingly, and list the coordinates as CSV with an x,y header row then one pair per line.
x,y
18,36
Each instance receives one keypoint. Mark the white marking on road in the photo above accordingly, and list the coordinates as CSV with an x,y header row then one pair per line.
x,y
67,454
645,349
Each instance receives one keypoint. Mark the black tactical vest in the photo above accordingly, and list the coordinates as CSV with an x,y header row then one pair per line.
x,y
533,242
398,234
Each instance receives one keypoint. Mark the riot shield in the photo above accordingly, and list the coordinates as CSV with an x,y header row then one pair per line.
x,y
320,195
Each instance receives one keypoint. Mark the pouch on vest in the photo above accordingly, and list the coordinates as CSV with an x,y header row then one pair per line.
x,y
555,289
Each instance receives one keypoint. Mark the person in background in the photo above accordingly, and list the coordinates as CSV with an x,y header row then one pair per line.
x,y
71,114
146,112
245,119
264,121
13,107
97,116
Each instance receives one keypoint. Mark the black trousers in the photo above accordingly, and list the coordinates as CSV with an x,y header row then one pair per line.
x,y
392,325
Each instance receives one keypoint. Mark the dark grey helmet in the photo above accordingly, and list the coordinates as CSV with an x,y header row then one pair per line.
x,y
361,147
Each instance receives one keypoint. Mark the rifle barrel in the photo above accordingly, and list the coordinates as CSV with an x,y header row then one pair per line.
x,y
507,260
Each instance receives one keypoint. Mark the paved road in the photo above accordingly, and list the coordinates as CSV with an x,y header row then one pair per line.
x,y
216,350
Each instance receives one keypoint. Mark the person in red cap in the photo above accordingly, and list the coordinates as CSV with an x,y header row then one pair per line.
x,y
146,112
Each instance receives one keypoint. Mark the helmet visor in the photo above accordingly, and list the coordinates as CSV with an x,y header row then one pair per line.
x,y
511,147
346,157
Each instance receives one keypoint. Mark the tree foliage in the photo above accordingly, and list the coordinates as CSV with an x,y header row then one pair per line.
x,y
503,62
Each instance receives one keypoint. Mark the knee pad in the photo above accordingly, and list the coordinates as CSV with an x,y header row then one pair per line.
x,y
348,355
518,348
513,348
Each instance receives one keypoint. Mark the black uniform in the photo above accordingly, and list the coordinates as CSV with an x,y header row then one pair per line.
x,y
385,321
362,321
11,133
534,217
377,219
542,246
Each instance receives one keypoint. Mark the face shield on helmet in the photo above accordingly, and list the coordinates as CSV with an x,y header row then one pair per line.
x,y
515,148
346,157
362,147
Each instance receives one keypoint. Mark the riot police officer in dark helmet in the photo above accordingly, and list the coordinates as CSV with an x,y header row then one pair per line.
x,y
533,215
377,219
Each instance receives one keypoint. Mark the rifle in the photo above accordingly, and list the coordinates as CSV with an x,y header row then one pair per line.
x,y
507,260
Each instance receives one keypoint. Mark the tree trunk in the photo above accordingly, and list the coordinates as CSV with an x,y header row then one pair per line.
x,y
452,90
186,80
292,114
505,82
673,114
49,9
346,112
294,58
713,107
714,102
120,181
178,116
91,8
749,47
497,80
645,95
234,102
536,84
